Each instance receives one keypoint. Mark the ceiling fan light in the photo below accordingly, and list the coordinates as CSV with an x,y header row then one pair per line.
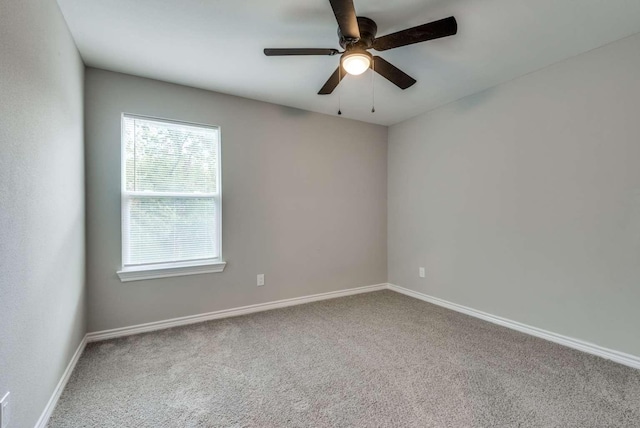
x,y
356,63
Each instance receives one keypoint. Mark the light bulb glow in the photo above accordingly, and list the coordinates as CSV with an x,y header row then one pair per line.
x,y
356,63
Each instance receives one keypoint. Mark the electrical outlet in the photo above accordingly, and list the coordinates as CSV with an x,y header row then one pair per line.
x,y
4,411
421,272
260,280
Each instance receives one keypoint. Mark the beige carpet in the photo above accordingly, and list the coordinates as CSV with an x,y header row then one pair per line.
x,y
372,360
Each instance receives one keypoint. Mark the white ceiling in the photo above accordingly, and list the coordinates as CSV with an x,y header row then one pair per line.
x,y
217,45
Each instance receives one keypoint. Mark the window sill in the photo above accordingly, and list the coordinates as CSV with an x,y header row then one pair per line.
x,y
140,273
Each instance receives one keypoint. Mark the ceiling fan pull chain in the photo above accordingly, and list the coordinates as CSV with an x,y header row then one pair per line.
x,y
339,90
373,87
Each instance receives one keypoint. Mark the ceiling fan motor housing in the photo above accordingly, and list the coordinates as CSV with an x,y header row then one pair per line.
x,y
368,30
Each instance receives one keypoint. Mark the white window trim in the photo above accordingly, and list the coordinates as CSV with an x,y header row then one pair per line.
x,y
171,269
167,270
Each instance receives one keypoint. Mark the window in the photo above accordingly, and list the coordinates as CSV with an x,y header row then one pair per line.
x,y
171,198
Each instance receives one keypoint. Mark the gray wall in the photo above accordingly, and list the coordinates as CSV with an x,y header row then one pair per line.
x,y
524,200
304,202
41,204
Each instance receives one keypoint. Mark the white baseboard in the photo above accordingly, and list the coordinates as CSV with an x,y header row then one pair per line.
x,y
160,325
192,319
590,348
51,405
610,354
619,357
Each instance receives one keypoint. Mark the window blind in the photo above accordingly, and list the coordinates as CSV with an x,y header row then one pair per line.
x,y
171,203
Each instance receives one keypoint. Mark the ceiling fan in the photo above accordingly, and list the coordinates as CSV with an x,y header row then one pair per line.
x,y
357,34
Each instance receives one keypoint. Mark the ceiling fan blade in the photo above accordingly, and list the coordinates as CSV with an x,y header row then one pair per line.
x,y
421,33
333,81
392,73
300,51
346,16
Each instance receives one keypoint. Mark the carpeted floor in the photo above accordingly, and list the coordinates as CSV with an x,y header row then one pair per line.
x,y
372,360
